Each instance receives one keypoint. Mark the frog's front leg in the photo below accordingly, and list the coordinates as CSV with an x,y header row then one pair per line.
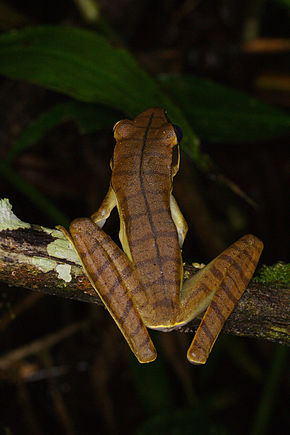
x,y
115,281
219,286
104,211
178,219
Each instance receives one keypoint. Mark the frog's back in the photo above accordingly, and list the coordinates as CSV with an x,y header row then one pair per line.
x,y
142,181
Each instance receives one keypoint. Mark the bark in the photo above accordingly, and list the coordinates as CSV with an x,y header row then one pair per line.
x,y
41,259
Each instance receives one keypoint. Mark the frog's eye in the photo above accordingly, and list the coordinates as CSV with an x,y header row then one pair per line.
x,y
178,133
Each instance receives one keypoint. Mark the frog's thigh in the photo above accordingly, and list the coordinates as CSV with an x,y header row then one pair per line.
x,y
104,211
114,279
221,284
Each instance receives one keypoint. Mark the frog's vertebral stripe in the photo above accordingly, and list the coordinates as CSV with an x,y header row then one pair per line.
x,y
147,204
132,155
165,302
149,236
143,204
152,260
143,214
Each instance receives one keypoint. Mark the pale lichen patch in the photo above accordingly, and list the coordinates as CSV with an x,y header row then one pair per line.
x,y
62,248
44,264
8,220
53,232
64,272
47,265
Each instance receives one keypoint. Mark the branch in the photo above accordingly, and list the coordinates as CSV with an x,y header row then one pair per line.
x,y
41,259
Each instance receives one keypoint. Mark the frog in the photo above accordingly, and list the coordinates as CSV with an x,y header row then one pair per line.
x,y
142,285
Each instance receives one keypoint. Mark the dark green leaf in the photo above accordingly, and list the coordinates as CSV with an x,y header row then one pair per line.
x,y
221,114
183,421
158,397
89,117
35,196
84,65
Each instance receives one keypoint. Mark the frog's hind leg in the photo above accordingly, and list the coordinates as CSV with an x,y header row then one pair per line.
x,y
220,284
115,281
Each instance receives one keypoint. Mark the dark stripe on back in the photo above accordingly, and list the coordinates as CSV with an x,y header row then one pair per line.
x,y
125,199
148,236
165,259
131,155
128,172
160,281
154,172
158,256
144,213
164,303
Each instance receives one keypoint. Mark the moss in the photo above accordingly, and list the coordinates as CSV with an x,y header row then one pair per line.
x,y
277,274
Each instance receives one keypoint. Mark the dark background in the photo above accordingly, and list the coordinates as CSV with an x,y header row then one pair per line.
x,y
89,382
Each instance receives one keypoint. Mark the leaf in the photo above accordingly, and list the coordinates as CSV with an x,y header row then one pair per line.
x,y
78,63
159,396
35,196
89,118
185,421
84,65
221,114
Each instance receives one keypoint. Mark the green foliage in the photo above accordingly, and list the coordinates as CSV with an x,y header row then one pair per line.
x,y
158,397
277,274
104,82
285,3
222,114
185,421
83,65
264,409
34,195
88,117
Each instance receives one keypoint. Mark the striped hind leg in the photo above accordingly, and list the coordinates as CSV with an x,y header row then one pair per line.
x,y
221,284
115,281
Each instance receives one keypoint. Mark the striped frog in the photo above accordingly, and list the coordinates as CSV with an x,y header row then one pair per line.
x,y
142,286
